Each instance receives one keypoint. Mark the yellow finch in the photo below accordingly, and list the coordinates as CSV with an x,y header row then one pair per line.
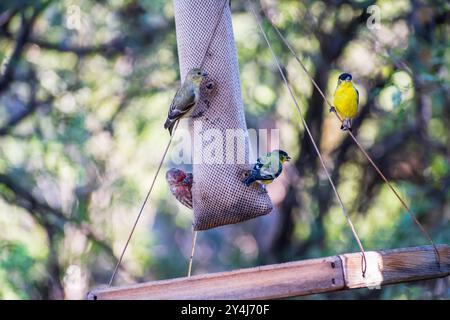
x,y
267,167
346,100
186,98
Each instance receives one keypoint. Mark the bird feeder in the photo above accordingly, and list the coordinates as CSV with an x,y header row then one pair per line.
x,y
219,196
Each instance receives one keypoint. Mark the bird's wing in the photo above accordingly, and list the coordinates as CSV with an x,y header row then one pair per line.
x,y
266,175
183,101
188,180
263,160
269,170
260,162
357,97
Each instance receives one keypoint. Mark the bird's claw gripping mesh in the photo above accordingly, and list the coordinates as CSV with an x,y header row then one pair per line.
x,y
219,196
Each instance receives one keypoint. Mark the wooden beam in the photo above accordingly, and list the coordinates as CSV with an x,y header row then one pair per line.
x,y
395,266
295,278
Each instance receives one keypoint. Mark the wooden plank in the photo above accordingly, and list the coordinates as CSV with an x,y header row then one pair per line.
x,y
266,282
294,278
395,266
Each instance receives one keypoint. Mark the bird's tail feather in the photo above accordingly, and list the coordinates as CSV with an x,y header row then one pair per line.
x,y
346,124
169,125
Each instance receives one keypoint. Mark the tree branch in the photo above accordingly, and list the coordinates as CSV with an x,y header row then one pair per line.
x,y
19,116
41,211
25,31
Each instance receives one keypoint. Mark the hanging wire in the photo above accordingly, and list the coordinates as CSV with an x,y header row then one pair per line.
x,y
191,258
358,144
355,234
398,62
213,34
142,207
161,163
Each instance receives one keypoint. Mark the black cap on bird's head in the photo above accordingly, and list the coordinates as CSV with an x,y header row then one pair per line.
x,y
283,155
345,77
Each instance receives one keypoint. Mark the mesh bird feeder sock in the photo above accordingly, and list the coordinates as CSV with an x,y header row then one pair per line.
x,y
219,196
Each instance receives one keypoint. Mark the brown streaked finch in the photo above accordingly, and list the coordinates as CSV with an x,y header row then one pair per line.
x,y
180,184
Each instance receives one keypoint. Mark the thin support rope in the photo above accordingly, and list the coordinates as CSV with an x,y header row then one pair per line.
x,y
162,161
213,34
364,261
143,206
413,217
191,258
398,62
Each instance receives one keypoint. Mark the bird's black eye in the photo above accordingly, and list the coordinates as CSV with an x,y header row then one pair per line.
x,y
199,73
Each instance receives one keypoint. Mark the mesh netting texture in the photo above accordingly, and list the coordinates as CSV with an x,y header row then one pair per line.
x,y
219,196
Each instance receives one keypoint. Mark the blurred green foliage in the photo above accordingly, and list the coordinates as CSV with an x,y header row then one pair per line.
x,y
84,94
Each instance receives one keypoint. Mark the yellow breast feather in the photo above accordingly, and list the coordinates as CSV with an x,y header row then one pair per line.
x,y
346,100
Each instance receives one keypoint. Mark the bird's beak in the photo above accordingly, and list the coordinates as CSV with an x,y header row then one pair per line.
x,y
288,158
205,74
